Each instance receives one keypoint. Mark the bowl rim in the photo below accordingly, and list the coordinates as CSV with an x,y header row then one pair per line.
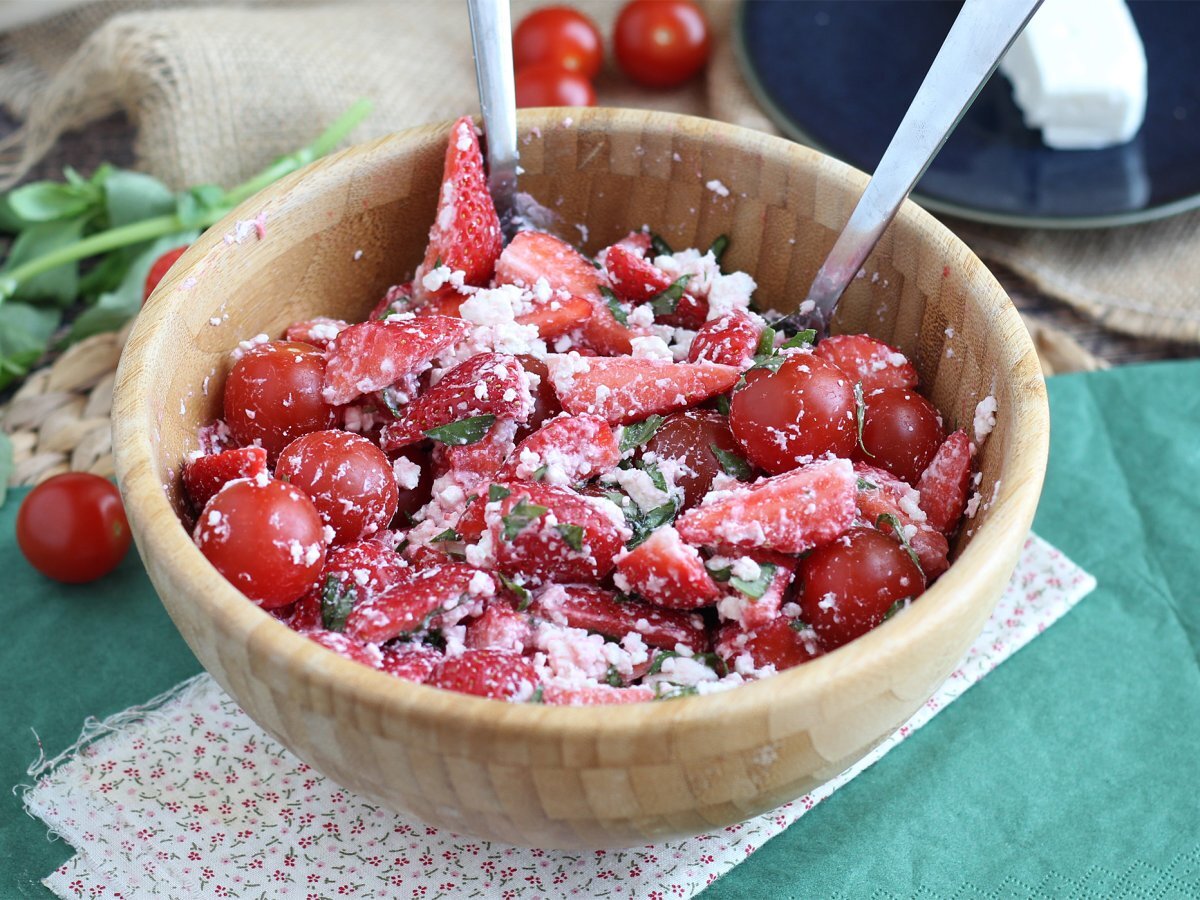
x,y
794,689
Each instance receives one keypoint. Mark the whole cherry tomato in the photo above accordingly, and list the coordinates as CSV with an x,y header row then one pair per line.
x,y
901,433
688,442
661,43
560,36
159,269
548,85
72,527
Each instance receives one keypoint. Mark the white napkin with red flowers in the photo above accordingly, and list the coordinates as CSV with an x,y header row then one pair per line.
x,y
187,797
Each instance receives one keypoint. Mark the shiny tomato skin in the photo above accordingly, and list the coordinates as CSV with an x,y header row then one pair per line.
x,y
689,436
265,537
273,395
72,527
661,43
159,269
901,433
545,401
412,499
558,36
851,583
348,479
549,85
803,410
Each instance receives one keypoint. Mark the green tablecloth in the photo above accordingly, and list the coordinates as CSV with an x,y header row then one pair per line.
x,y
1072,770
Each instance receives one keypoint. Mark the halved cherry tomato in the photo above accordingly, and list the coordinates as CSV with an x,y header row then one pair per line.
x,y
549,85
661,43
72,527
560,36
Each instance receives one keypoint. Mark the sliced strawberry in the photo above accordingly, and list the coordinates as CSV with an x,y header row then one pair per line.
x,y
543,532
566,450
216,437
347,646
776,643
533,254
667,572
411,600
730,340
205,475
465,235
444,303
556,317
398,299
475,466
486,384
598,610
944,483
412,662
319,332
593,694
500,628
626,389
303,615
882,493
789,513
497,674
868,360
638,280
373,355
638,242
753,611
367,568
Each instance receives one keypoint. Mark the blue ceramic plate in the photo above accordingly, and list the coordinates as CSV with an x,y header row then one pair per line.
x,y
839,76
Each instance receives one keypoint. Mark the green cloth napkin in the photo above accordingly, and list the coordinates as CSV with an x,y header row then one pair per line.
x,y
1072,770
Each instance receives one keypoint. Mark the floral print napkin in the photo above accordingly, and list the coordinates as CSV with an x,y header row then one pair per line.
x,y
187,797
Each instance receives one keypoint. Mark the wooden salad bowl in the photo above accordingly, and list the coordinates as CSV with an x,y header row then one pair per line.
x,y
336,235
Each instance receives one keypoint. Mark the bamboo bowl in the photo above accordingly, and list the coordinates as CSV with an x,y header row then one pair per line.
x,y
588,777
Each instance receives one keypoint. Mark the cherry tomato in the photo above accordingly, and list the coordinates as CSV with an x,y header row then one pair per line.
x,y
560,36
548,85
688,438
545,401
348,479
901,433
72,527
850,584
661,43
804,409
265,537
159,269
273,395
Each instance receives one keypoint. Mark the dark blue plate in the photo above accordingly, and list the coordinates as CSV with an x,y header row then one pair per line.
x,y
839,76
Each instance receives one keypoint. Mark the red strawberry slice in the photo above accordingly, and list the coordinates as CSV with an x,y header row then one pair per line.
x,y
465,235
566,450
347,646
486,384
730,340
319,332
398,299
790,513
868,360
372,355
667,572
205,475
500,628
882,493
543,532
497,674
753,612
593,694
407,605
944,483
639,242
598,610
412,662
533,254
776,643
475,466
626,389
303,615
556,317
638,280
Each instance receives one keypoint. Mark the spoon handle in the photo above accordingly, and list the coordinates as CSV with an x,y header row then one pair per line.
x,y
491,38
981,34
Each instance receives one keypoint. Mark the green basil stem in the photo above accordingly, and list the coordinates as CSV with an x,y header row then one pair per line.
x,y
159,226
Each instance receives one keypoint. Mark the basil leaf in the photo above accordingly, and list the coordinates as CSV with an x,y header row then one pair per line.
x,y
49,201
336,603
799,625
614,305
524,598
864,485
60,284
893,521
772,362
497,492
656,476
536,696
464,431
192,205
734,465
6,464
665,302
540,472
659,246
521,515
571,534
674,691
766,342
756,588
720,575
860,415
134,196
638,433
896,607
800,339
448,535
613,677
24,334
657,664
718,247
723,404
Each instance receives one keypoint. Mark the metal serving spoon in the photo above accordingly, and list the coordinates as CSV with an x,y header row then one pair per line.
x,y
981,34
491,39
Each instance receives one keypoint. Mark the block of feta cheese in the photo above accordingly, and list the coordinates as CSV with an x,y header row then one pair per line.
x,y
1078,73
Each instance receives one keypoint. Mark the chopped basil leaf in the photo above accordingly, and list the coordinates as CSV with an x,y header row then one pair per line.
x,y
718,247
766,342
723,404
734,465
674,691
448,535
665,303
800,339
756,588
388,396
659,516
614,305
860,415
799,625
656,476
536,697
497,492
896,607
638,433
540,472
720,575
772,362
659,246
656,666
613,677
524,598
572,534
893,521
463,432
864,485
520,516
336,603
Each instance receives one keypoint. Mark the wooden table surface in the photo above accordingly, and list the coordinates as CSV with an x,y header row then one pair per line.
x,y
111,140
